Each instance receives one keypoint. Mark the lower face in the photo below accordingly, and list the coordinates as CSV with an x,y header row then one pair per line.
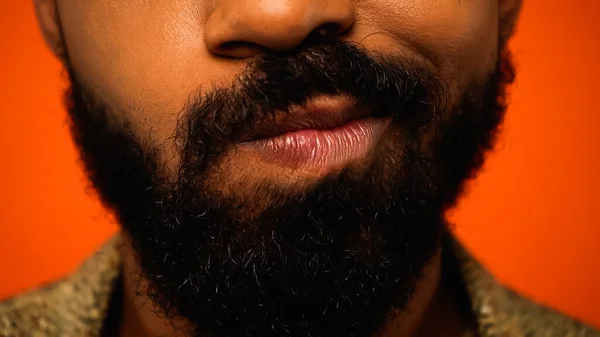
x,y
290,194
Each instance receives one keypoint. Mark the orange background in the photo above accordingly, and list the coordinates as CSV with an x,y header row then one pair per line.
x,y
532,216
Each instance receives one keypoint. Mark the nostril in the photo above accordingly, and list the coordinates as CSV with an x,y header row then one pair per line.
x,y
326,32
239,49
330,29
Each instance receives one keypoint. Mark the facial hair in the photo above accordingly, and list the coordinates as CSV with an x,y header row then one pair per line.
x,y
331,260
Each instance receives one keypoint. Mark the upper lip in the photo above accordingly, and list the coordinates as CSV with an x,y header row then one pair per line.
x,y
321,114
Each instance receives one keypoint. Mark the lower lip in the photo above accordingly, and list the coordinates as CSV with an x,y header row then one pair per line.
x,y
319,149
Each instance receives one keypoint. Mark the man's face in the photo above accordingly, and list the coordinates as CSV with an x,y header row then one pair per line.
x,y
282,167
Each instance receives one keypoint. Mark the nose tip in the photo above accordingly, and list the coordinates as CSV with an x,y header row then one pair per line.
x,y
241,28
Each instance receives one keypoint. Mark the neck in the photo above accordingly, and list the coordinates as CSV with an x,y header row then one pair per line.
x,y
430,313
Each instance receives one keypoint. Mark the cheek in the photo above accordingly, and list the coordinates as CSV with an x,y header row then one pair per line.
x,y
459,36
144,61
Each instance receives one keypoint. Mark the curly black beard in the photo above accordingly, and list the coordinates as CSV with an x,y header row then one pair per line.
x,y
332,260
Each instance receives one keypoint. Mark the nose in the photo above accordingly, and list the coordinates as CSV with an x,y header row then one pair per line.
x,y
242,28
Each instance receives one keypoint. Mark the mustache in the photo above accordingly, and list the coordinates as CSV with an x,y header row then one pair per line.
x,y
402,88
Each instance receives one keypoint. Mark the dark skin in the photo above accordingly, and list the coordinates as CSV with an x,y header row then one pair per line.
x,y
144,58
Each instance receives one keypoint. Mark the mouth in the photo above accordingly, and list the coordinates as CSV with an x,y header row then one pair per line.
x,y
324,113
325,133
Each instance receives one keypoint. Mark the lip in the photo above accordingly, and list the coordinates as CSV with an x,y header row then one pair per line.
x,y
327,133
323,113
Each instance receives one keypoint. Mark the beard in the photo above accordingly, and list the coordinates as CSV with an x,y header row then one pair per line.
x,y
332,259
